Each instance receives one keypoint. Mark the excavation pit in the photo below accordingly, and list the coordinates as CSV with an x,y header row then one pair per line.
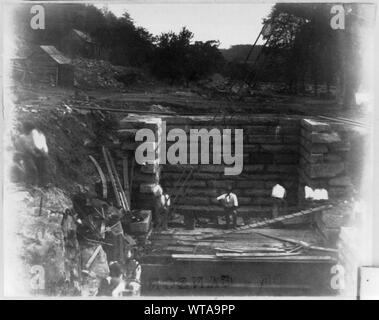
x,y
292,151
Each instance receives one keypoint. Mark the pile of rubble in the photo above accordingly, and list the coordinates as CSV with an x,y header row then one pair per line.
x,y
67,245
91,74
103,231
35,243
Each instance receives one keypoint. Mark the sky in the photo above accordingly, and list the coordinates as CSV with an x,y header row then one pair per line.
x,y
231,24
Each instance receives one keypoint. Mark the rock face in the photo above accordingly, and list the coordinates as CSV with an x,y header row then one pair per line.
x,y
37,259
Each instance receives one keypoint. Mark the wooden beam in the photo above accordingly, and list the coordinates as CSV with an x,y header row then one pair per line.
x,y
102,177
125,174
111,177
298,242
131,179
289,258
93,257
267,222
256,254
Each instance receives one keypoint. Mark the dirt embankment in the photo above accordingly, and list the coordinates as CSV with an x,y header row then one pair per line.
x,y
35,237
36,256
92,74
71,134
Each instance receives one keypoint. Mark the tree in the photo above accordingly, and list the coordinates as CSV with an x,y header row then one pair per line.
x,y
177,59
304,48
128,44
171,56
204,59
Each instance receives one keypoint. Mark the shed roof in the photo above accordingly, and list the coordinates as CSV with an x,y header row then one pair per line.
x,y
55,54
85,36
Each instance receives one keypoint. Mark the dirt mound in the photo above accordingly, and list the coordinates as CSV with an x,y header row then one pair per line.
x,y
35,224
71,136
92,74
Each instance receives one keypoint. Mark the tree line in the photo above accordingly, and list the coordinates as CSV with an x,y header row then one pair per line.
x,y
171,56
301,47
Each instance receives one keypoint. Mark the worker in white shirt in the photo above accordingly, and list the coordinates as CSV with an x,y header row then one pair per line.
x,y
162,203
230,203
278,196
31,152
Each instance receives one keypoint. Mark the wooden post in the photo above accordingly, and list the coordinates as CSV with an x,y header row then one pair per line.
x,y
131,179
126,177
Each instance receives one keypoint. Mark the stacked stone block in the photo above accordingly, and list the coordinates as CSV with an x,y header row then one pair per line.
x,y
324,151
323,164
291,151
270,154
146,176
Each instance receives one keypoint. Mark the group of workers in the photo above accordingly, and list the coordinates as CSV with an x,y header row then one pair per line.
x,y
162,203
227,200
91,217
31,154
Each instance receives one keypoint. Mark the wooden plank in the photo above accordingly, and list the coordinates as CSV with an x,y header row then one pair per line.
x,y
93,257
117,183
301,243
111,177
125,174
198,243
173,232
205,241
194,256
102,177
131,179
129,239
179,249
288,259
267,222
251,250
229,250
257,254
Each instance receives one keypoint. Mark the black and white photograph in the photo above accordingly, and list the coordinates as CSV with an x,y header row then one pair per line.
x,y
200,150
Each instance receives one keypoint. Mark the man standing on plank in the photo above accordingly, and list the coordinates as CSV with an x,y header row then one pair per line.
x,y
230,203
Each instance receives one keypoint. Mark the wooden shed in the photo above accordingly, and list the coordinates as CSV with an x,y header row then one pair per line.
x,y
80,43
48,65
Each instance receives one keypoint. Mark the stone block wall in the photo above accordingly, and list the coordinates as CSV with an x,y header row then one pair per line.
x,y
327,161
288,150
270,156
323,159
145,177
